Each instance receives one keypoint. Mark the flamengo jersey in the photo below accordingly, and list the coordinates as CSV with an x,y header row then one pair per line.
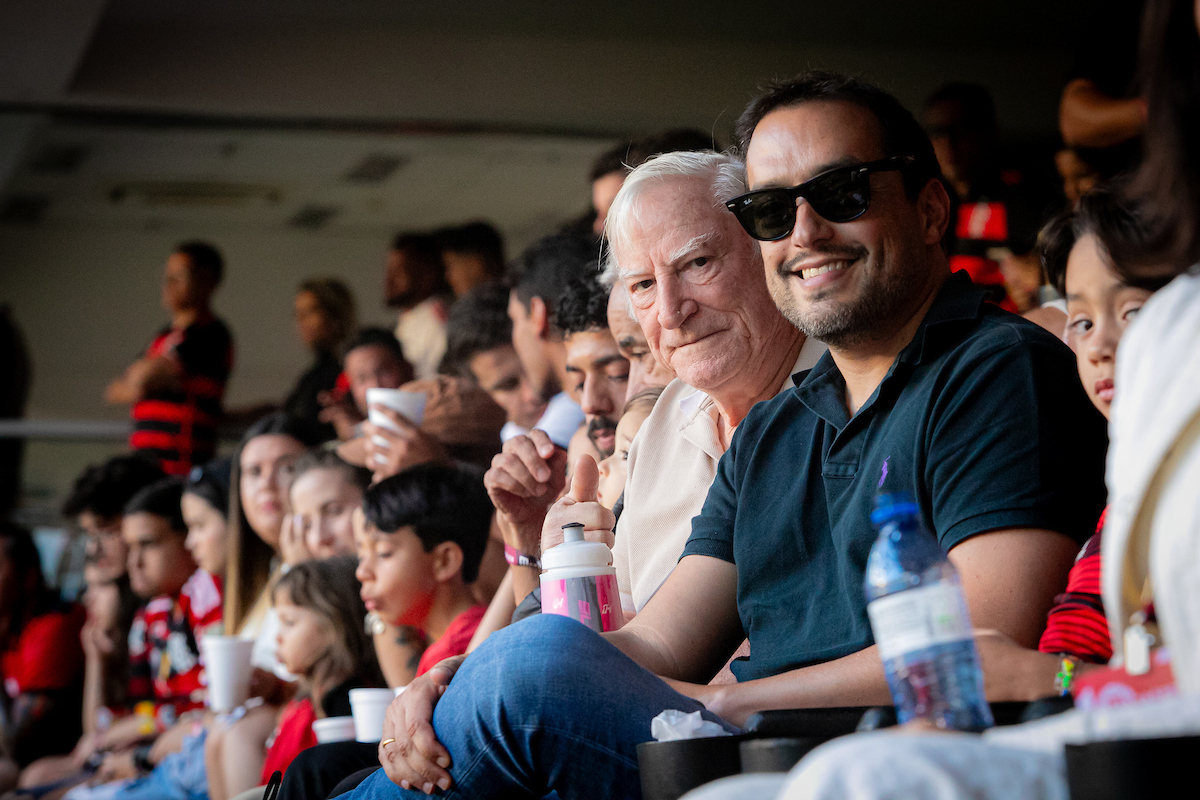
x,y
164,658
179,427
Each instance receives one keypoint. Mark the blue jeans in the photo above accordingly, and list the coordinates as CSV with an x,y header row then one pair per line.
x,y
544,705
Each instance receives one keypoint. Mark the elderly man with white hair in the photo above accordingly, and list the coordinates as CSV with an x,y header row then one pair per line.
x,y
711,320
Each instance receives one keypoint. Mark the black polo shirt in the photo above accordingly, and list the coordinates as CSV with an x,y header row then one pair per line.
x,y
982,419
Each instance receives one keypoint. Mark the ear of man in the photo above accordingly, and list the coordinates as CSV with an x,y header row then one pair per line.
x,y
933,205
539,315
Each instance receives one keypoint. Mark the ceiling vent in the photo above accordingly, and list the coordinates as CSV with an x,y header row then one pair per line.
x,y
195,194
375,168
23,209
312,218
59,158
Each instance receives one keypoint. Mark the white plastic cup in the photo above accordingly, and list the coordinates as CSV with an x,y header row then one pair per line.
x,y
228,669
369,707
411,405
334,729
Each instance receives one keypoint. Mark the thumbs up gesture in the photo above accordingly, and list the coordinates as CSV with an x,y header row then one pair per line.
x,y
580,505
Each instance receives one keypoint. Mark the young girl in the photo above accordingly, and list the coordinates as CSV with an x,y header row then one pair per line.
x,y
325,491
614,469
322,641
205,508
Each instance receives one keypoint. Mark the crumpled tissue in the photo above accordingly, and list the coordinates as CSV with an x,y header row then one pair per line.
x,y
672,725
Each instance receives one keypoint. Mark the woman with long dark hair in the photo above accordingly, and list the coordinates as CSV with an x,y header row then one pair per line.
x,y
258,510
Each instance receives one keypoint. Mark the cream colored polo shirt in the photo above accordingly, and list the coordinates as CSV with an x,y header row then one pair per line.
x,y
672,464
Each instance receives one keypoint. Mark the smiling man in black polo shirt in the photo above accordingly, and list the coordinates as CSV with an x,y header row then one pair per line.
x,y
925,388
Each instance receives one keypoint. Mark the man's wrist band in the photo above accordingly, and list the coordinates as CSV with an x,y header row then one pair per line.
x,y
518,559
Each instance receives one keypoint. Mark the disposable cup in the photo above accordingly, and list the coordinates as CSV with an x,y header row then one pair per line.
x,y
411,405
228,668
399,690
334,729
369,707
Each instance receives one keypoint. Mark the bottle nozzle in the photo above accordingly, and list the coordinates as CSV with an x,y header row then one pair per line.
x,y
573,532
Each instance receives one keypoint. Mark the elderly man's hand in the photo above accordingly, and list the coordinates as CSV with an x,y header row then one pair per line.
x,y
524,480
391,451
580,505
410,753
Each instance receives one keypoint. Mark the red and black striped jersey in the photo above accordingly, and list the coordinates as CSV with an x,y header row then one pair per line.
x,y
179,427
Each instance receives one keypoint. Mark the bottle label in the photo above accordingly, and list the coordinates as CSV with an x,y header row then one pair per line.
x,y
918,618
594,601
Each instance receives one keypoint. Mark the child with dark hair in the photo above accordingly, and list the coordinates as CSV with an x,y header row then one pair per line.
x,y
420,535
321,640
420,538
41,661
1076,249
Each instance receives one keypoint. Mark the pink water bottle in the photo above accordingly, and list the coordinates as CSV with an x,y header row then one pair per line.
x,y
578,581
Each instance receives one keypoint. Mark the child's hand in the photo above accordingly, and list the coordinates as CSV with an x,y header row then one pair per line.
x,y
580,505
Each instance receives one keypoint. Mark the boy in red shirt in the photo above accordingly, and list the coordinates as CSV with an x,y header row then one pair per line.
x,y
420,536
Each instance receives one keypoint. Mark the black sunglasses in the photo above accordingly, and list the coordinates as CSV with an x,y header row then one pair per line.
x,y
839,195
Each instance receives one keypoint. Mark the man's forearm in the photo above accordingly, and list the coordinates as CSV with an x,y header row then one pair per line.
x,y
853,680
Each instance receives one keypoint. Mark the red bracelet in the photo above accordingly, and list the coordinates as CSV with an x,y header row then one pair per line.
x,y
518,559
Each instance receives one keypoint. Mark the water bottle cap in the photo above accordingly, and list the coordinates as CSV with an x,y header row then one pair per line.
x,y
576,552
890,506
573,532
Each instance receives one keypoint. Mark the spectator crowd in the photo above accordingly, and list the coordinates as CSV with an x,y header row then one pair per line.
x,y
714,373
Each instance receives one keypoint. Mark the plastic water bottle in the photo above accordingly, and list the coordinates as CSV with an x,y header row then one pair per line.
x,y
579,581
921,624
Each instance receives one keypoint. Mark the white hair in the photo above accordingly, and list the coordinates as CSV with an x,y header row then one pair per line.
x,y
727,179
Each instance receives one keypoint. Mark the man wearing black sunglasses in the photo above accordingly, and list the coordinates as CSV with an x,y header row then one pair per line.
x,y
925,389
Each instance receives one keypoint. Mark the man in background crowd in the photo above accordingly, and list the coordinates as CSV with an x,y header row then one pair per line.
x,y
473,254
479,346
177,386
597,372
415,283
538,278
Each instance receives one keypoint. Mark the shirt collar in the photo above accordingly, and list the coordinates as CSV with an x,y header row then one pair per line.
x,y
823,389
959,299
